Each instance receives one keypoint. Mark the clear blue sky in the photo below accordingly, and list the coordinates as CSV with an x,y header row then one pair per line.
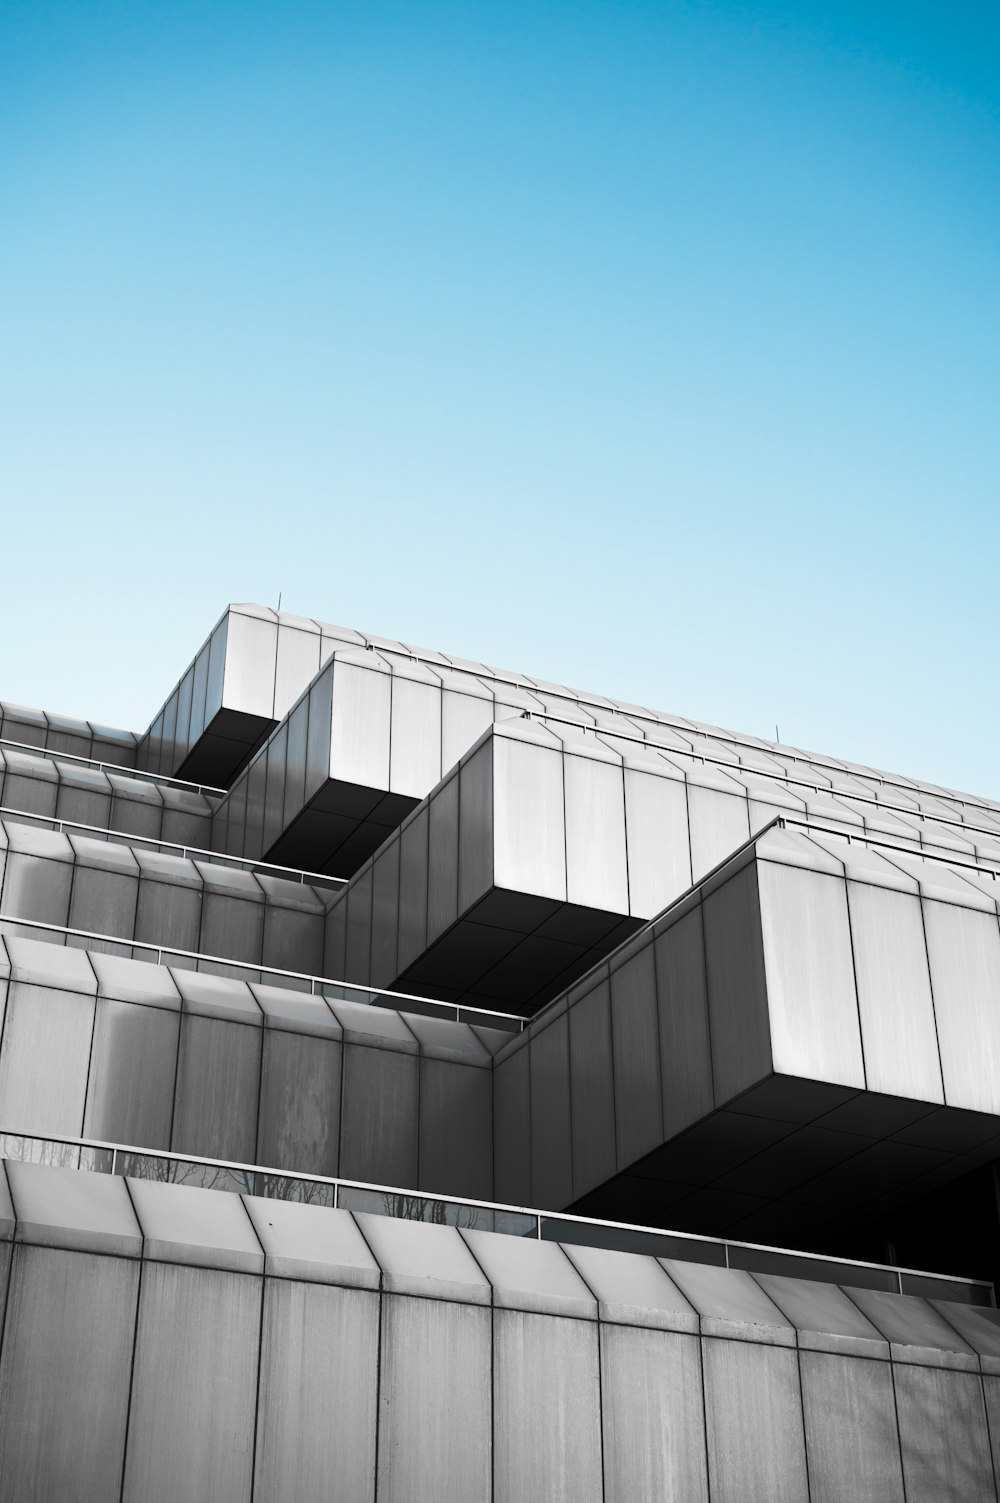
x,y
649,347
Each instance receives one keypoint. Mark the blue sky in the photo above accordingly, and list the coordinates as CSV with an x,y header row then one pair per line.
x,y
652,348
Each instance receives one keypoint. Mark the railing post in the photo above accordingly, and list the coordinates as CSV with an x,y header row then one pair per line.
x,y
114,1160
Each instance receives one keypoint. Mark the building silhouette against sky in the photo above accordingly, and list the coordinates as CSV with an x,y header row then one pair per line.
x,y
419,1081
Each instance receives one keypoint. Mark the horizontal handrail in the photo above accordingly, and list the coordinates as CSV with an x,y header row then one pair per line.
x,y
455,1011
189,852
785,779
657,717
117,767
855,837
113,1158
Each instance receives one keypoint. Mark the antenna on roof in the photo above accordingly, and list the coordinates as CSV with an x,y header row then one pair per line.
x,y
279,600
776,736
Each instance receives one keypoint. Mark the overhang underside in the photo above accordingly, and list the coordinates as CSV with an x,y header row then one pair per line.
x,y
799,1162
516,950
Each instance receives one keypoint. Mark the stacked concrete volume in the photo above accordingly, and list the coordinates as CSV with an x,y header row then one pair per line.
x,y
422,1082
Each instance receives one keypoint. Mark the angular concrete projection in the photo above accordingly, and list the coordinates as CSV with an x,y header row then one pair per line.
x,y
375,732
258,661
371,736
782,1049
323,792
254,665
529,861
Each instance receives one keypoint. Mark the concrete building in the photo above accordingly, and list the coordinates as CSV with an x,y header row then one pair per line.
x,y
422,1082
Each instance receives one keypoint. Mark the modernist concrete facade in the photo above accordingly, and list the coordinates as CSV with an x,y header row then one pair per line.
x,y
419,1081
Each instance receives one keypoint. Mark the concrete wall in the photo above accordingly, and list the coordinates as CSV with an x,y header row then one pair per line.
x,y
62,733
165,1343
58,789
169,901
95,1046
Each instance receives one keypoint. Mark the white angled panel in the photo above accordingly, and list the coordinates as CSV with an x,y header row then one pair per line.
x,y
810,975
359,742
297,665
251,648
529,829
415,766
596,865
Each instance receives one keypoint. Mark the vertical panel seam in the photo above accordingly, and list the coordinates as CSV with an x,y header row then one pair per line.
x,y
930,982
802,1415
135,1338
857,989
258,1390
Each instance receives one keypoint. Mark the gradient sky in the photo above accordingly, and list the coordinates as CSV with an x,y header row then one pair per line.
x,y
652,348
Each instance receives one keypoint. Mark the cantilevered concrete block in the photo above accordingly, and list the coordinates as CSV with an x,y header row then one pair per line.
x,y
781,1054
371,736
528,862
254,665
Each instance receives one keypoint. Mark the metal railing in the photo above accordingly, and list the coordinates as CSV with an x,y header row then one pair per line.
x,y
117,767
674,722
100,1156
784,779
172,848
885,843
316,986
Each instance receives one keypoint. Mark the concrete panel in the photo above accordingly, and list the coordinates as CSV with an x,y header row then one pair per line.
x,y
850,1422
720,822
964,950
64,1375
442,865
379,1116
299,1120
943,1435
218,1077
318,1382
434,1402
659,857
412,889
652,1417
756,1447
894,993
169,915
314,1243
475,826
456,1129
194,1386
682,1003
592,1087
737,989
512,1129
44,1059
359,741
551,1160
811,993
635,1027
546,1409
130,1093
415,742
385,916
528,824
596,860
